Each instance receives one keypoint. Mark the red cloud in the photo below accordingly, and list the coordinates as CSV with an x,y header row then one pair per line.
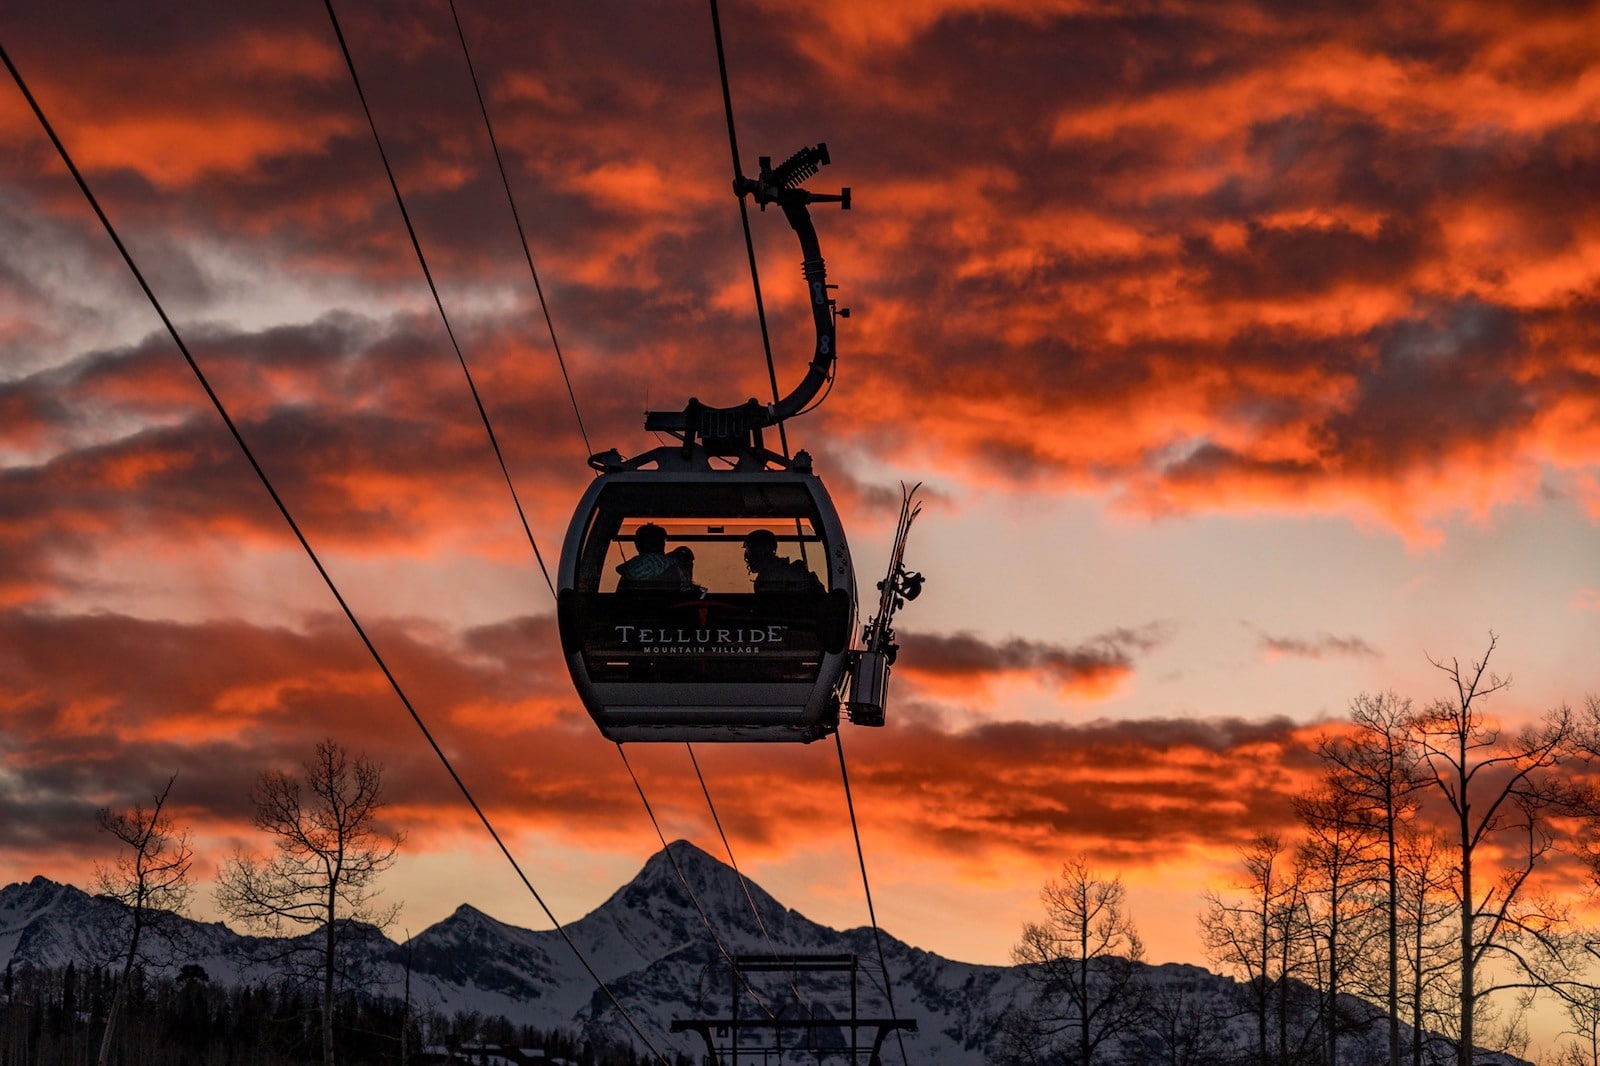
x,y
965,662
1078,299
220,703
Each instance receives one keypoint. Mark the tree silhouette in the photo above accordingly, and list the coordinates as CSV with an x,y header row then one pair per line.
x,y
1084,959
1425,912
1187,1021
149,878
1498,790
1263,935
1377,765
1338,860
329,855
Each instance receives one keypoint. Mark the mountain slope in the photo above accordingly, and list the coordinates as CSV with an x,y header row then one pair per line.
x,y
650,945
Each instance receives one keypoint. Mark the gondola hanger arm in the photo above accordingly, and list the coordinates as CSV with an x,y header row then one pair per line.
x,y
736,431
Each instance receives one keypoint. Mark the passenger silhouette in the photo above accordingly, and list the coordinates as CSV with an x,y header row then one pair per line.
x,y
654,567
773,572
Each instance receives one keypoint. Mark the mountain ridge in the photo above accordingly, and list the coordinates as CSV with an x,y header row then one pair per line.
x,y
647,942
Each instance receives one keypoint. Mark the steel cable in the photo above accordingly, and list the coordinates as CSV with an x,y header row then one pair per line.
x,y
305,544
422,260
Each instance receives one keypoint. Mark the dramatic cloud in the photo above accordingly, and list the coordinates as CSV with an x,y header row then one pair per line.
x,y
1268,316
966,660
102,707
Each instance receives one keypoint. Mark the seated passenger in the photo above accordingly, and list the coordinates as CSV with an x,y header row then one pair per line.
x,y
684,559
772,572
653,567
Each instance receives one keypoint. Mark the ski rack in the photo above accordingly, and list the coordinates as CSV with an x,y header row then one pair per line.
x,y
731,1027
869,672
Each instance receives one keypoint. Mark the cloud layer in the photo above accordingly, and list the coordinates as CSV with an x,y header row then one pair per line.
x,y
1216,260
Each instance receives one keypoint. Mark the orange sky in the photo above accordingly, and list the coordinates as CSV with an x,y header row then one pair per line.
x,y
1248,357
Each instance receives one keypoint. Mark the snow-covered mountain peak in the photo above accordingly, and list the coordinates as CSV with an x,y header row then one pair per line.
x,y
663,869
662,952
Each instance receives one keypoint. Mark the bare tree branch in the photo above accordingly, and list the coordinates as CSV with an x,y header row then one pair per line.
x,y
149,878
329,854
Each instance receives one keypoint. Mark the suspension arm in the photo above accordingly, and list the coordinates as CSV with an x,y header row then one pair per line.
x,y
735,430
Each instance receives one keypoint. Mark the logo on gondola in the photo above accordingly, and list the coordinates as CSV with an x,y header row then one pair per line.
x,y
708,640
708,634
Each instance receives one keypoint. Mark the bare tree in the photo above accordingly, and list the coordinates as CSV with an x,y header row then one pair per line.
x,y
1378,765
1188,1022
1582,1003
1581,996
1339,859
329,855
1085,961
1262,935
1498,789
1426,905
149,878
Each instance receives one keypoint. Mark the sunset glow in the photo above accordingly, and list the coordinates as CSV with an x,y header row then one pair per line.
x,y
1248,357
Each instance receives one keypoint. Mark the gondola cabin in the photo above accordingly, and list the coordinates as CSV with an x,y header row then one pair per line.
x,y
707,605
717,603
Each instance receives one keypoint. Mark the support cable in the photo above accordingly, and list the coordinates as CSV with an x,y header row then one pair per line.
x,y
305,544
783,436
744,885
673,859
744,218
877,936
772,377
422,261
527,252
578,415
744,214
505,181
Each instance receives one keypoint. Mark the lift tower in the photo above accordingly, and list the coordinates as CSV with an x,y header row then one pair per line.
x,y
732,1028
